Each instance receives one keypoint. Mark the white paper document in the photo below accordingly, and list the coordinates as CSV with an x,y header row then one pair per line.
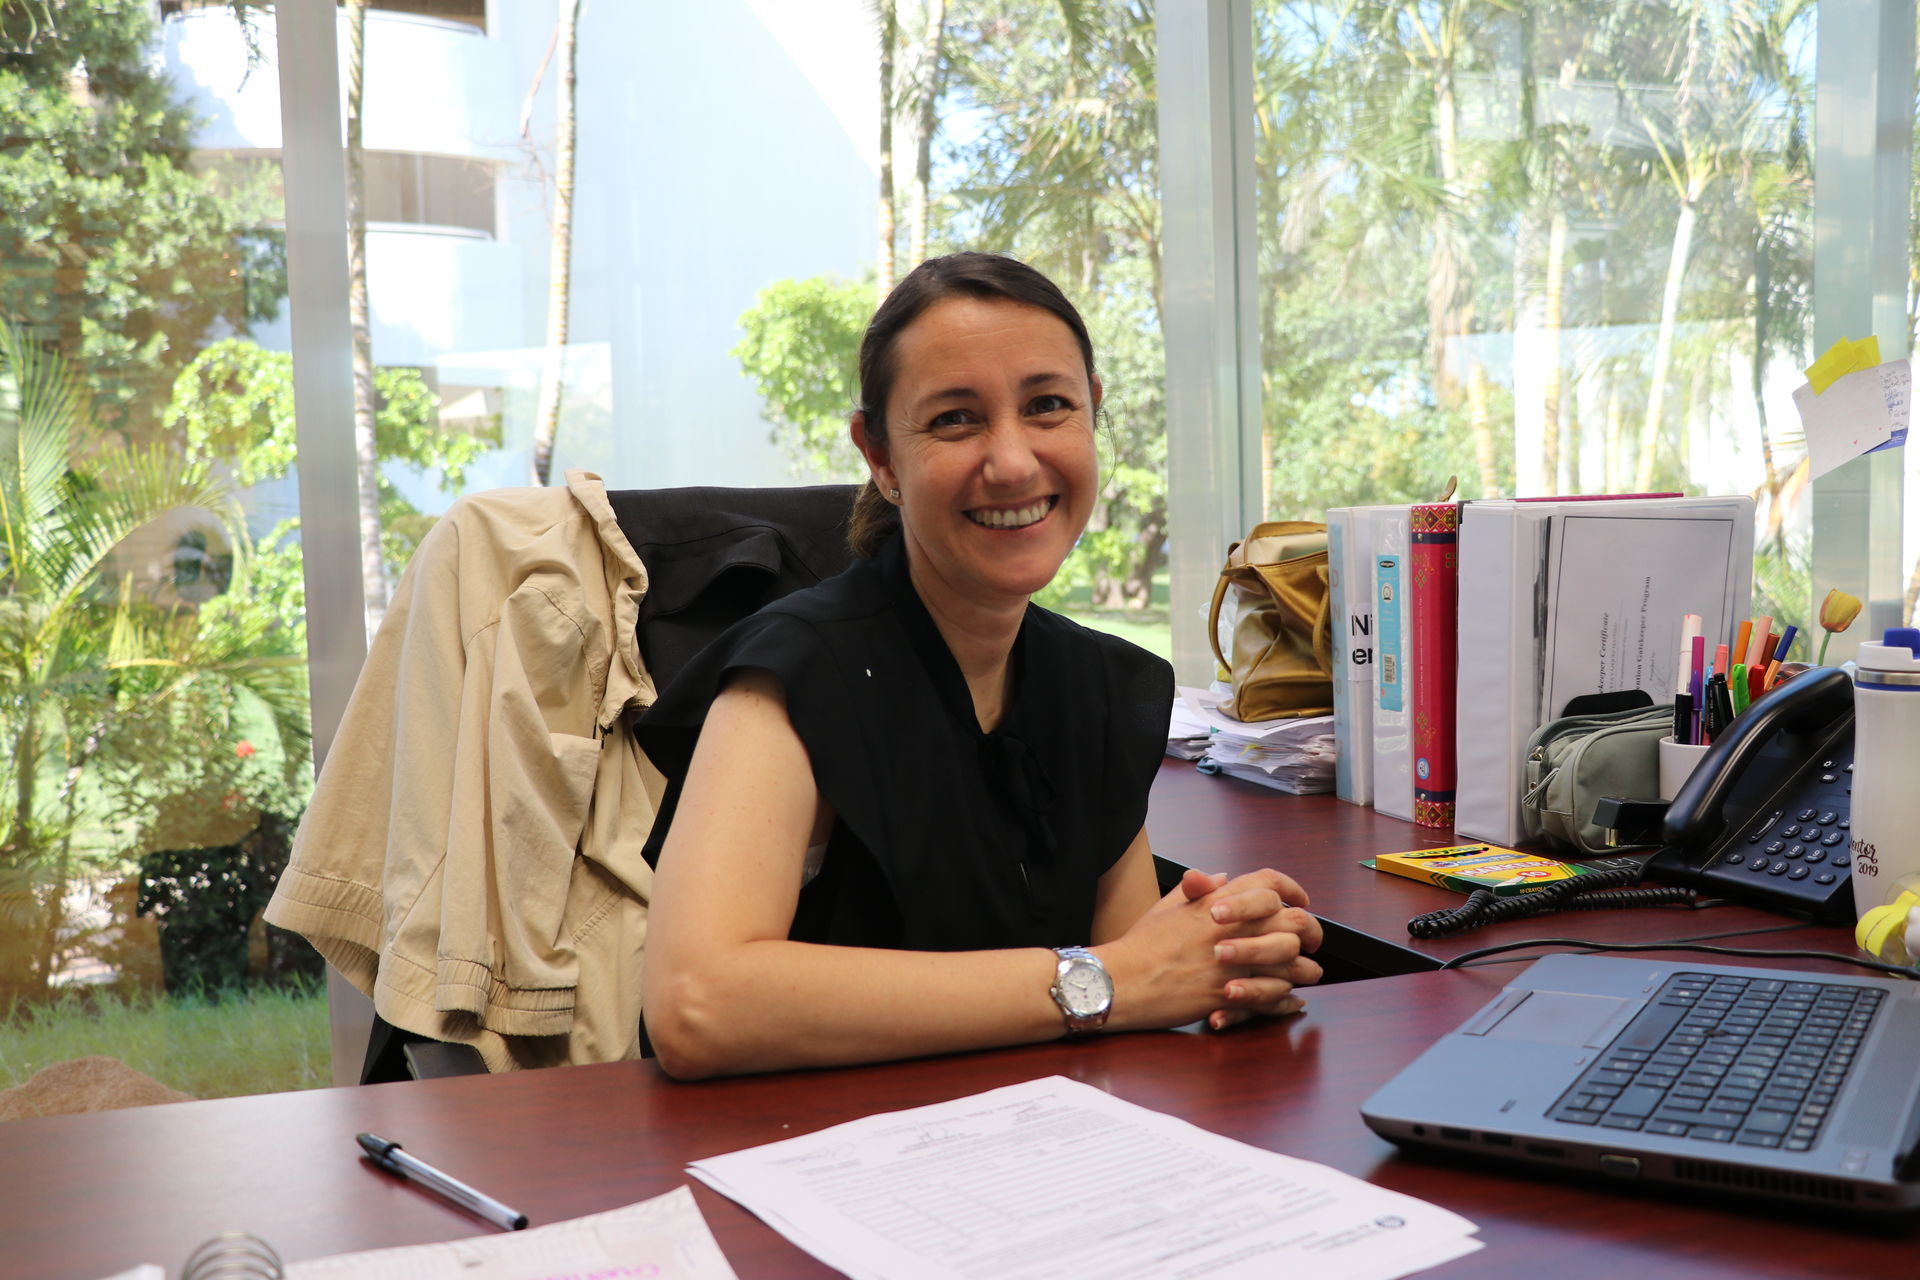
x,y
1618,589
1858,413
1056,1180
665,1238
1208,707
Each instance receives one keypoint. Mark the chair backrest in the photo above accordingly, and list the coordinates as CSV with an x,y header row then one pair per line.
x,y
716,555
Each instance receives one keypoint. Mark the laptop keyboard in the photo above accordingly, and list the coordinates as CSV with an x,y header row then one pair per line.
x,y
1717,1058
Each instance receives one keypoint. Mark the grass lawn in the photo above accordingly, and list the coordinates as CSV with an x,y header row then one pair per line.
x,y
262,1041
1147,628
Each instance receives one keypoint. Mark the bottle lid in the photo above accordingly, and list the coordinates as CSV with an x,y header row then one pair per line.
x,y
1899,651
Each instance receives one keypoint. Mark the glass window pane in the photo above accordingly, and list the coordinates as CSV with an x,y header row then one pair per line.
x,y
1545,247
1046,148
153,691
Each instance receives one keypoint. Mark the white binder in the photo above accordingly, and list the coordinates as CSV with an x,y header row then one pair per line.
x,y
1350,577
1549,609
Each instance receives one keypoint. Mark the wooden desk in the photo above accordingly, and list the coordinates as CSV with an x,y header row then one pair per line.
x,y
90,1195
1224,824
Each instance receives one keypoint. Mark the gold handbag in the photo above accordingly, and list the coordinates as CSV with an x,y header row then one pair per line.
x,y
1278,622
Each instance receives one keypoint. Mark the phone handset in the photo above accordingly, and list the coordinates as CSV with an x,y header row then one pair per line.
x,y
1809,707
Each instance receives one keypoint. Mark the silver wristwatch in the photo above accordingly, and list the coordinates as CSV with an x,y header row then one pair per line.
x,y
1082,989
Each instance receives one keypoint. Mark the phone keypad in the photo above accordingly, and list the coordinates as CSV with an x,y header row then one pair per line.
x,y
1795,852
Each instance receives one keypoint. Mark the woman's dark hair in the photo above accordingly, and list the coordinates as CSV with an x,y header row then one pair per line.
x,y
973,275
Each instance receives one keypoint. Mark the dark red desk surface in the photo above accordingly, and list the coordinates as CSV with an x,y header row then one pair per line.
x,y
1224,824
87,1196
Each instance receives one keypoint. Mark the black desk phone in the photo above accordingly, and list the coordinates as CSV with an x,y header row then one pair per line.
x,y
1763,818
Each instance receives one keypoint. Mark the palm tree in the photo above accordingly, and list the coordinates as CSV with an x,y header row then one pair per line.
x,y
77,649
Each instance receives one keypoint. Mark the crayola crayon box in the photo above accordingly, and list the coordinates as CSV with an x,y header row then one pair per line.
x,y
1466,867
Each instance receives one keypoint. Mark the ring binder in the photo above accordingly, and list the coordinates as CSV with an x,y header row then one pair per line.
x,y
234,1255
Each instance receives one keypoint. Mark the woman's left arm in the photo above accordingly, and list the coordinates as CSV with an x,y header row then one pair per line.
x,y
1272,962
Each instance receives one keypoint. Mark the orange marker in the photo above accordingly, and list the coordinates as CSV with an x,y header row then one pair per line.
x,y
1741,639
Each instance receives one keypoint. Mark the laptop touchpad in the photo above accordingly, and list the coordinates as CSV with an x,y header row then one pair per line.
x,y
1557,1017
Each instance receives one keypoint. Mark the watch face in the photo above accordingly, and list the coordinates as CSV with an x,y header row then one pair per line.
x,y
1084,989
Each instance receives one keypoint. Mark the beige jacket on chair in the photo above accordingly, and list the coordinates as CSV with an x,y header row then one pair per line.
x,y
471,857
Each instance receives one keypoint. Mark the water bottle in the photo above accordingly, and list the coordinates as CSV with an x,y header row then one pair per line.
x,y
1884,838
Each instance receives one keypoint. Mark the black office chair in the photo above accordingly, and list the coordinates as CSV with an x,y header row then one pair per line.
x,y
713,556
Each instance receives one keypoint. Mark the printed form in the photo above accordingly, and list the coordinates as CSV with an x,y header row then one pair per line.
x,y
1056,1180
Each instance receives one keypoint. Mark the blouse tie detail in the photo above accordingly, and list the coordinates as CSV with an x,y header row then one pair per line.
x,y
1016,768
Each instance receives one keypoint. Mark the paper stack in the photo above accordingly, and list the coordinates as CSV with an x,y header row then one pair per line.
x,y
965,1188
1287,755
1188,732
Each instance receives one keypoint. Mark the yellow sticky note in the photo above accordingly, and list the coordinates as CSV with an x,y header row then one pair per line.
x,y
1830,367
1843,357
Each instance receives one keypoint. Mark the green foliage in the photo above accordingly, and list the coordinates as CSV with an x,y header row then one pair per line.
x,y
801,350
1413,158
106,676
1059,169
1058,165
113,247
208,901
234,402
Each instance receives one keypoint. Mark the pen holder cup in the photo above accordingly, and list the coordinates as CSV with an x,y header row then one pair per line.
x,y
1676,764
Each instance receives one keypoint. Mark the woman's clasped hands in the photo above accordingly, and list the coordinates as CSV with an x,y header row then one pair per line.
x,y
1220,948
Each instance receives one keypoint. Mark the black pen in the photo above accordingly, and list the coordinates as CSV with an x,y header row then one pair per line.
x,y
1723,696
390,1157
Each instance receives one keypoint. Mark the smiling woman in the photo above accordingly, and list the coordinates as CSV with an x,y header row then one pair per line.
x,y
861,855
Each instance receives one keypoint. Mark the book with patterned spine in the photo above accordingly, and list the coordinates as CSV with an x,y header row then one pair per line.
x,y
1433,604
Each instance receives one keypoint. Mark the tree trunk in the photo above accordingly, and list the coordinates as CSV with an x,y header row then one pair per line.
x,y
1446,266
1480,420
1613,458
546,425
1138,589
1663,343
1554,359
373,566
889,15
24,930
1529,306
1762,290
923,142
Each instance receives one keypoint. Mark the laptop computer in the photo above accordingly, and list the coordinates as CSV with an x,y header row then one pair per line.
x,y
1762,1082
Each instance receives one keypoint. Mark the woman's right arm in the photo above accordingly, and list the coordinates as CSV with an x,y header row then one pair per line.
x,y
726,991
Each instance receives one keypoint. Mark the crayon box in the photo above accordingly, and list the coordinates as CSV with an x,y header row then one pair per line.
x,y
1466,867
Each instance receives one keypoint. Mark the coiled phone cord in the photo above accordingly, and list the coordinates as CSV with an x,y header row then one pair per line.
x,y
1594,892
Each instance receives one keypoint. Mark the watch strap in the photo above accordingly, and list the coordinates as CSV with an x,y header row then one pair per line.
x,y
1078,1022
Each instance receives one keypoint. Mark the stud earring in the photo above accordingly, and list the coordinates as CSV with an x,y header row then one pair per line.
x,y
893,495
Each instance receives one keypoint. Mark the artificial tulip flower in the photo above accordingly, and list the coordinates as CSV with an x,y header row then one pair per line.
x,y
1837,613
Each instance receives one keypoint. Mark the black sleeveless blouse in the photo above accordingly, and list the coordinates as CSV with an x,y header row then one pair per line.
x,y
945,838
